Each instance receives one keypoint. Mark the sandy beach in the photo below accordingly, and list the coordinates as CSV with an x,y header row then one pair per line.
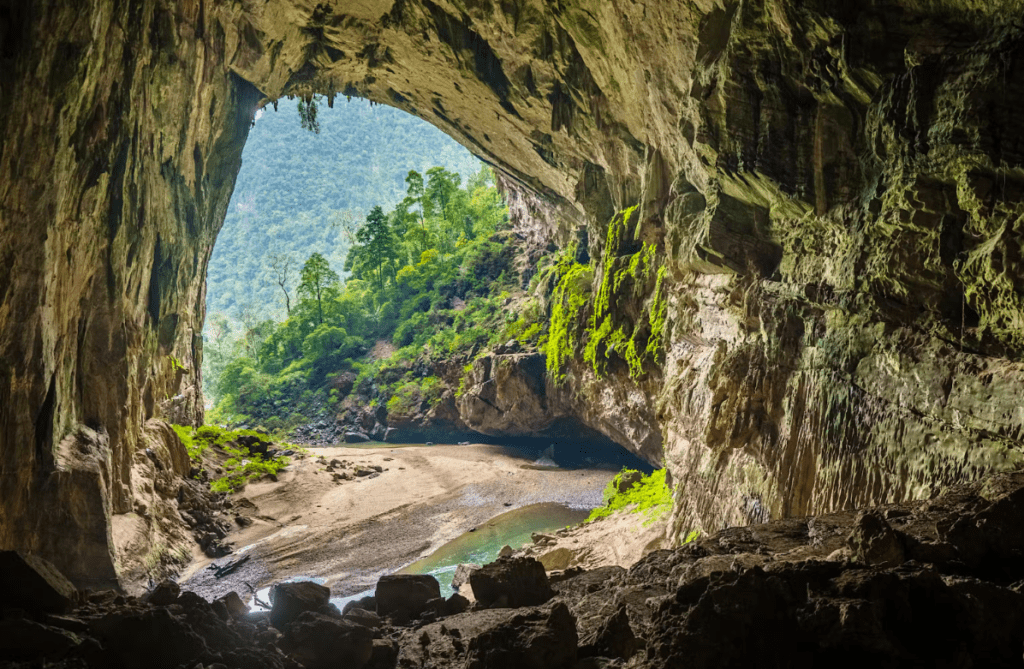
x,y
349,533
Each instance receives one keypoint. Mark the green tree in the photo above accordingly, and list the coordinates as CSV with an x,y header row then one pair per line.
x,y
317,277
307,114
376,251
439,190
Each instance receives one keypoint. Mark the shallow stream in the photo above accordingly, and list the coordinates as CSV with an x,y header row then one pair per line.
x,y
482,545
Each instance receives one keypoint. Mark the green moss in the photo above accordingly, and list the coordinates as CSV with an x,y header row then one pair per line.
x,y
240,467
567,304
195,451
606,334
656,315
613,238
651,497
243,466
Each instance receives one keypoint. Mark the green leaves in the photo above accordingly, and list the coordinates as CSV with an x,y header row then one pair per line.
x,y
316,277
651,497
447,300
375,254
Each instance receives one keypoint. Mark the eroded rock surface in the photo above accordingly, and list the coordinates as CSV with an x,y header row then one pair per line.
x,y
833,192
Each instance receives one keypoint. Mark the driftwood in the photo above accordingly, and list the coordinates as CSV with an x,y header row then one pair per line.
x,y
220,571
256,598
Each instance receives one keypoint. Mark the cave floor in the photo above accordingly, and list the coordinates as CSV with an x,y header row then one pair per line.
x,y
350,532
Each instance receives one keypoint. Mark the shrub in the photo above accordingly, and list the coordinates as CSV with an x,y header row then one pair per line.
x,y
650,496
406,399
240,467
243,466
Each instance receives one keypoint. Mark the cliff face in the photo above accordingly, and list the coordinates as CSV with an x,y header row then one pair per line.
x,y
834,193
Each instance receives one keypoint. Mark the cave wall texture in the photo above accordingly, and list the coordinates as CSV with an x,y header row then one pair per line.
x,y
834,188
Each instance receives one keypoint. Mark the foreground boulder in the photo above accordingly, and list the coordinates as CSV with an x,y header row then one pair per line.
x,y
164,593
534,638
936,583
149,639
22,639
31,583
324,642
406,595
511,582
290,600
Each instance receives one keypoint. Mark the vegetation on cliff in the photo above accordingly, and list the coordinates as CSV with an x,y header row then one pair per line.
x,y
649,495
237,464
597,324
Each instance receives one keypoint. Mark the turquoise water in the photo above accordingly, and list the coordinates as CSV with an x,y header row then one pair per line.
x,y
482,546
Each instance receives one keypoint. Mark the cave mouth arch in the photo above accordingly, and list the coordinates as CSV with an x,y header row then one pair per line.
x,y
291,177
123,125
121,143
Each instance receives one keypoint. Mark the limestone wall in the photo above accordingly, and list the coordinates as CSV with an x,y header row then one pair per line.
x,y
834,189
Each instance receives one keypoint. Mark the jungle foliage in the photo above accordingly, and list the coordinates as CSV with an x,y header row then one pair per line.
x,y
299,192
240,466
427,280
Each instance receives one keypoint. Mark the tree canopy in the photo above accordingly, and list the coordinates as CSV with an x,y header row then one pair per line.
x,y
443,300
317,278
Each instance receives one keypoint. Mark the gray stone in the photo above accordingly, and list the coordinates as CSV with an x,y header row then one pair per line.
x,y
405,595
511,582
462,573
290,600
322,642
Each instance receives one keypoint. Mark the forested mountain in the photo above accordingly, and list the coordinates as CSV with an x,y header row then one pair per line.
x,y
300,192
428,282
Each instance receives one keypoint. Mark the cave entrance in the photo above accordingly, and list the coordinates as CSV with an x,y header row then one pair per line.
x,y
310,175
303,191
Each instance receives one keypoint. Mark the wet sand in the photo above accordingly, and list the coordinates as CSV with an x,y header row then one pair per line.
x,y
350,533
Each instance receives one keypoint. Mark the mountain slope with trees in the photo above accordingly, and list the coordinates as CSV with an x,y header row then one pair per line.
x,y
428,284
300,191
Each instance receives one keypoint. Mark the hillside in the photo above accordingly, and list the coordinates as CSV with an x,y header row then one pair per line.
x,y
299,192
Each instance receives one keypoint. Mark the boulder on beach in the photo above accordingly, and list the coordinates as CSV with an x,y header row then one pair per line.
x,y
557,558
356,437
234,605
511,582
368,603
164,593
290,600
406,595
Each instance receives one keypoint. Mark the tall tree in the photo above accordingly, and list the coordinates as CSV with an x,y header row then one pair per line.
x,y
308,109
317,276
440,188
376,250
440,197
280,267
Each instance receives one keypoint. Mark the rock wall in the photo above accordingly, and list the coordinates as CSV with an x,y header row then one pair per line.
x,y
121,138
833,189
